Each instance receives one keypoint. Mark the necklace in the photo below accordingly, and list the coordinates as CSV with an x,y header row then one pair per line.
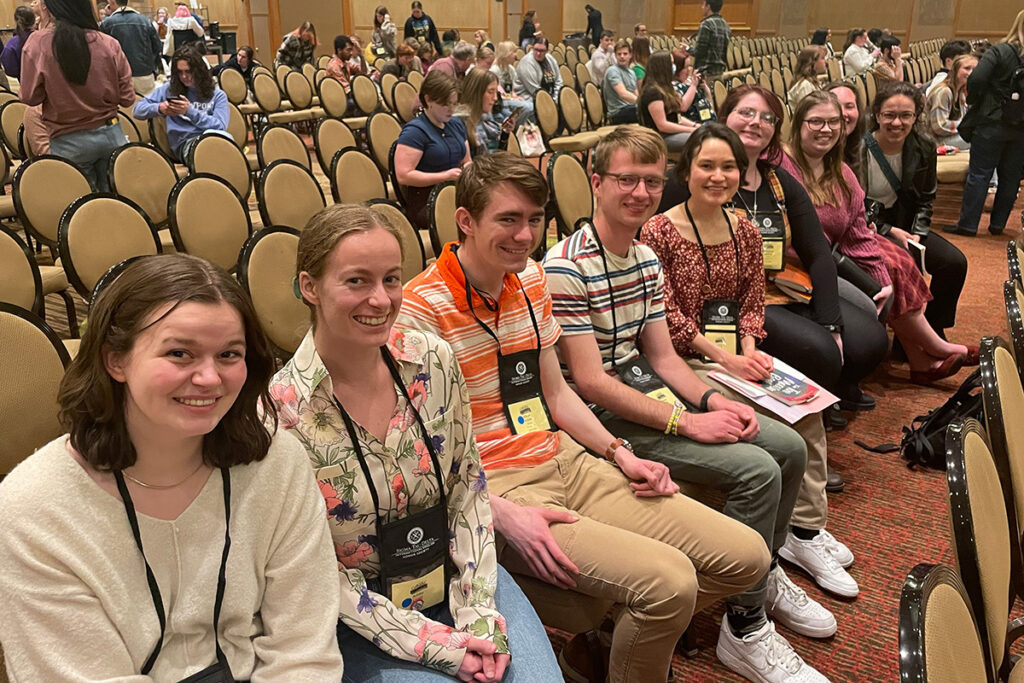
x,y
163,486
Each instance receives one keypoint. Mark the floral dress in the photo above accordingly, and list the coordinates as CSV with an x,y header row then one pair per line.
x,y
404,478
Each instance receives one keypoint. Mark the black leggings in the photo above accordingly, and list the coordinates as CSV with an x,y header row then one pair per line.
x,y
799,341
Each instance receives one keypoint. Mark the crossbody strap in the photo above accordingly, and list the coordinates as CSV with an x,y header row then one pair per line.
x,y
883,163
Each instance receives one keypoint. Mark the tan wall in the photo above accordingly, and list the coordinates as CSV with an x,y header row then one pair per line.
x,y
768,16
983,18
686,16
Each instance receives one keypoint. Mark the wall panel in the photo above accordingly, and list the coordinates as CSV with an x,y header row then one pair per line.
x,y
741,15
768,15
985,18
326,16
841,17
932,19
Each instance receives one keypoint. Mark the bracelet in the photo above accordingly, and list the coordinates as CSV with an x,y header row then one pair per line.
x,y
706,397
673,421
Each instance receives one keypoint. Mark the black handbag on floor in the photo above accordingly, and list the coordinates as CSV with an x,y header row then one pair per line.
x,y
924,441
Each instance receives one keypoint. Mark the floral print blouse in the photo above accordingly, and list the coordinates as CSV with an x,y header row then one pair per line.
x,y
404,478
685,276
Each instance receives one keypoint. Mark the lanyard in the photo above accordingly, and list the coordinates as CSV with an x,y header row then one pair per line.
x,y
611,295
358,448
469,303
154,589
704,251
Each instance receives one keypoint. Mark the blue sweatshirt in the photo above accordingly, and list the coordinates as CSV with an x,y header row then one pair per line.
x,y
212,114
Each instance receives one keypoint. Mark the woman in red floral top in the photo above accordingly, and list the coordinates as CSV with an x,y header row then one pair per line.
x,y
711,165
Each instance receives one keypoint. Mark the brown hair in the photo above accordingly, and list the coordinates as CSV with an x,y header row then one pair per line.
x,y
438,86
711,131
621,44
478,180
404,50
326,228
92,403
852,143
821,190
644,145
641,51
773,150
472,98
659,78
805,63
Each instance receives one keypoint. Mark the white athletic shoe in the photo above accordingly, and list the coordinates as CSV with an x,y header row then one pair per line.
x,y
838,549
816,559
764,657
789,605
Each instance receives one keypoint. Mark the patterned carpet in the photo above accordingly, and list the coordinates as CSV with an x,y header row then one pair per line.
x,y
891,517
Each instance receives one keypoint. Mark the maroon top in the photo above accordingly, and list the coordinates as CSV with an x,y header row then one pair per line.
x,y
844,223
685,276
71,108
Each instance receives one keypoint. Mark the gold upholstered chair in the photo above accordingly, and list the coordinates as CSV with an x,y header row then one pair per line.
x,y
355,178
219,156
209,219
571,191
288,194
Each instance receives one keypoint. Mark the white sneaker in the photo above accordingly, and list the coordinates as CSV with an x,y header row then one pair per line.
x,y
816,559
764,657
788,604
838,549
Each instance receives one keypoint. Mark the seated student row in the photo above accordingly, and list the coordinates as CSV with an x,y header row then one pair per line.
x,y
159,330
355,549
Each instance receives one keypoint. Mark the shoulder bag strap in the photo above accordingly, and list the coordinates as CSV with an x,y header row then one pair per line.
x,y
883,163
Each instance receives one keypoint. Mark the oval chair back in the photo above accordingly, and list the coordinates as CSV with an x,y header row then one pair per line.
x,y
44,187
209,219
412,249
280,142
288,194
98,231
355,177
329,136
406,100
382,130
266,269
145,176
333,97
232,82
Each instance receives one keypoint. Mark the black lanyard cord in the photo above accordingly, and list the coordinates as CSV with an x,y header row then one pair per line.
x,y
488,330
357,446
154,589
611,295
704,251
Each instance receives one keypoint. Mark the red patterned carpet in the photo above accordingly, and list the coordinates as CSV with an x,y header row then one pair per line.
x,y
891,517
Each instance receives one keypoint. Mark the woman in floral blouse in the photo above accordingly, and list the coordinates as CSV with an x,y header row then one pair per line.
x,y
371,402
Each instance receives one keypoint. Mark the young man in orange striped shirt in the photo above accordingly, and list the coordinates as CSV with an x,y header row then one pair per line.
x,y
615,527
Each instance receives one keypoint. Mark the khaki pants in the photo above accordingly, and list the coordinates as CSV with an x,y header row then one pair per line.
x,y
144,84
37,137
811,511
662,559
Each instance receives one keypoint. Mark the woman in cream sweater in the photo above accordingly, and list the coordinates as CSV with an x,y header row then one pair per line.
x,y
117,534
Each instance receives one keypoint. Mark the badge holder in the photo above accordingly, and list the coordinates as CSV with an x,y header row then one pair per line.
x,y
773,240
522,395
719,323
414,576
639,374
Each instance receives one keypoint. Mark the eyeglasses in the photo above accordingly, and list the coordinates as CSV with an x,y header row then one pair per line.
x,y
627,182
748,114
890,116
819,124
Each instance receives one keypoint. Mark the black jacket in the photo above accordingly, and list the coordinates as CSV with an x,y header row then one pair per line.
x,y
913,208
989,86
232,63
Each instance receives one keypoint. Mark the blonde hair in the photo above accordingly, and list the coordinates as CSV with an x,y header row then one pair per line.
x,y
505,50
1016,34
644,145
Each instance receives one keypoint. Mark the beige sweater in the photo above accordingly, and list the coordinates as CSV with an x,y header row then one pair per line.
x,y
75,605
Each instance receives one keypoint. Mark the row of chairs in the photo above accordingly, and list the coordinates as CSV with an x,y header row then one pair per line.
x,y
955,623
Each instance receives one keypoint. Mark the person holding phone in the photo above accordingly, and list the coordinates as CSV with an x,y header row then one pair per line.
x,y
476,106
190,101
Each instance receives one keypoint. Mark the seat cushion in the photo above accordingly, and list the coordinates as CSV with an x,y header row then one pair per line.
x,y
54,279
575,143
952,168
248,109
356,122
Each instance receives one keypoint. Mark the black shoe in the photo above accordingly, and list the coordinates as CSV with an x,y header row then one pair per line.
x,y
835,482
834,420
957,230
862,402
993,230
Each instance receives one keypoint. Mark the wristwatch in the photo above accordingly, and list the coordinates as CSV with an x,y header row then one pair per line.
x,y
609,453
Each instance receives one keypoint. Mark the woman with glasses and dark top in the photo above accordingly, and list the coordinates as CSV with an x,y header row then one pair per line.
x,y
198,535
385,417
432,148
897,172
994,125
815,157
80,76
660,107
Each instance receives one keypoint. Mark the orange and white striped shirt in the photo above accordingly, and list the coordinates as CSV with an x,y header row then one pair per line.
x,y
435,301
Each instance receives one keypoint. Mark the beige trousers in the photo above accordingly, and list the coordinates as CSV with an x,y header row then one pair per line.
x,y
37,138
662,559
811,511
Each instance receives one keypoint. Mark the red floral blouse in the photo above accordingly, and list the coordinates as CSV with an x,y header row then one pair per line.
x,y
685,276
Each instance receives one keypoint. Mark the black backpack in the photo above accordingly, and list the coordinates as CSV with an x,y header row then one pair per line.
x,y
924,441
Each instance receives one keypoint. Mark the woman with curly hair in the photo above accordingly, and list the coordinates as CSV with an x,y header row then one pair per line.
x,y
190,101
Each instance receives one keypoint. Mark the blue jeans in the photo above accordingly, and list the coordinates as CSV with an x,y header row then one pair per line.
x,y
532,657
508,105
993,148
90,150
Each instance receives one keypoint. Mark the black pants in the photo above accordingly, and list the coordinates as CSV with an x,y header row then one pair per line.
x,y
627,115
797,340
948,267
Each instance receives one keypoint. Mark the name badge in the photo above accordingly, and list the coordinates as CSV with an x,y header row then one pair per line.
x,y
704,113
522,393
639,374
773,239
720,323
413,552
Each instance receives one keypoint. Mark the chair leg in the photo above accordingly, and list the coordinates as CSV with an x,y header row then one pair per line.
x,y
688,643
69,304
